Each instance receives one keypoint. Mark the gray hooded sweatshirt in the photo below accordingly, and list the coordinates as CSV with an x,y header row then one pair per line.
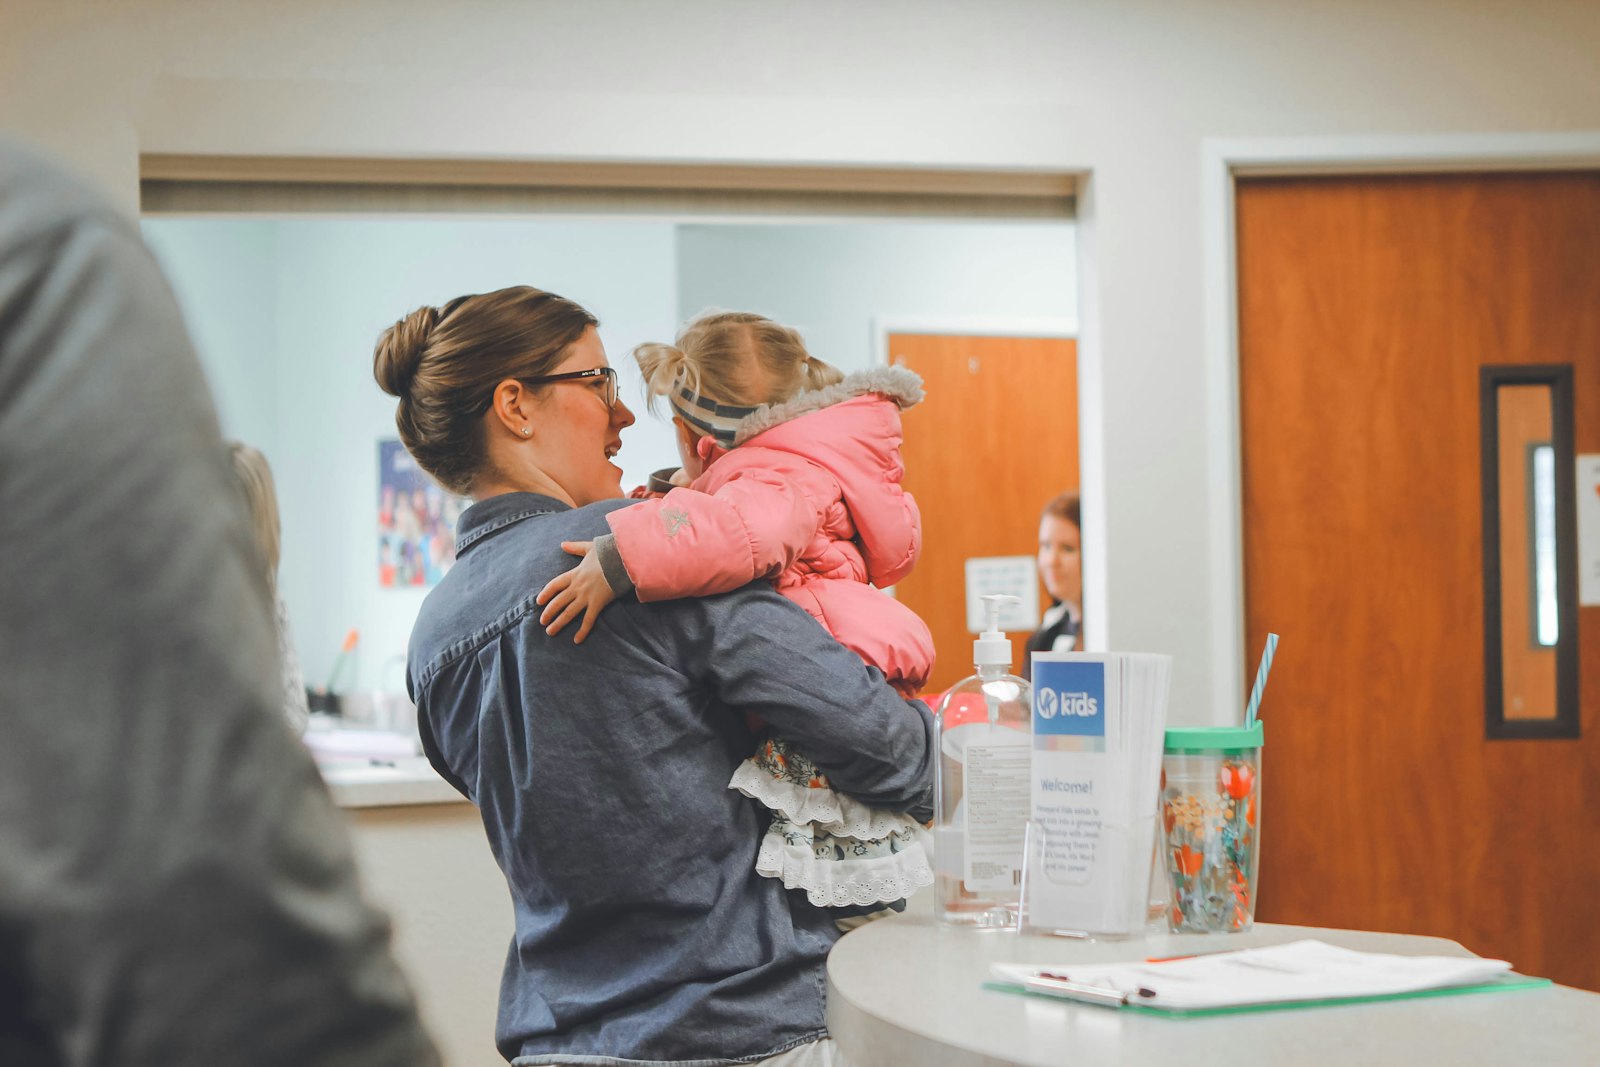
x,y
176,886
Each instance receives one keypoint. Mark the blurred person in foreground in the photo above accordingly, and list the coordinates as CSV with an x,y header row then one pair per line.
x,y
176,886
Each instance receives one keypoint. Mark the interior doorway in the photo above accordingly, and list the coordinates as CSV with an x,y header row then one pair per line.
x,y
996,438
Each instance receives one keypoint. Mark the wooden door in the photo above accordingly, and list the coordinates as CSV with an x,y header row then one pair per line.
x,y
1366,306
995,439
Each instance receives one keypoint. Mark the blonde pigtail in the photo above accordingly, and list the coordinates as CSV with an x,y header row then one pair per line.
x,y
819,374
665,369
736,358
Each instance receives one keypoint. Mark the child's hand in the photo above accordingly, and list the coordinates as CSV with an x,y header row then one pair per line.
x,y
581,591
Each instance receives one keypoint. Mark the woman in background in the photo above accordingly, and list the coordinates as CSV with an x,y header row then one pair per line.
x,y
255,481
1061,569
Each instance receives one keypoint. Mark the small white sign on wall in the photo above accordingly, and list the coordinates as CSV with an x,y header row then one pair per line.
x,y
1003,574
1589,530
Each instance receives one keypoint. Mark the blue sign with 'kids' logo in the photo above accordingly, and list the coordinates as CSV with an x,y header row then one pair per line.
x,y
1069,698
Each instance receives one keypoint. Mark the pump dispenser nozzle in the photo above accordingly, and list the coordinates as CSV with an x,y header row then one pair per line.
x,y
993,648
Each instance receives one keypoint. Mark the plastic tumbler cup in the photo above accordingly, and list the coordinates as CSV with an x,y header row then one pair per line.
x,y
1211,821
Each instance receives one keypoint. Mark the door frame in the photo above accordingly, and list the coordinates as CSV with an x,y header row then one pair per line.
x,y
1223,160
1091,436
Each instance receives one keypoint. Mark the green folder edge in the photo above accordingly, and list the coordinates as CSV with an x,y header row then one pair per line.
x,y
1509,982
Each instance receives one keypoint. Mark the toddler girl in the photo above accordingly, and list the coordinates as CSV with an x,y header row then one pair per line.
x,y
793,473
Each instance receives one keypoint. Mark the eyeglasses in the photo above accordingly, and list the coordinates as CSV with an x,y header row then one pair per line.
x,y
608,373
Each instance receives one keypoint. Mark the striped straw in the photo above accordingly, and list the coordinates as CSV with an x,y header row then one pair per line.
x,y
1261,680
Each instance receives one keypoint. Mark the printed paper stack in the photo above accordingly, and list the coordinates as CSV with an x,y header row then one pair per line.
x,y
1098,725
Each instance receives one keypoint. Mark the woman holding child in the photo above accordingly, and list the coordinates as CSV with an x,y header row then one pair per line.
x,y
643,932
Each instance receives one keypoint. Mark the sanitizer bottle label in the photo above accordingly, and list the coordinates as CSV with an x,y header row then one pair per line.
x,y
995,787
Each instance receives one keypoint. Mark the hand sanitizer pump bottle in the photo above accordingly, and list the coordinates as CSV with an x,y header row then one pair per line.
x,y
983,785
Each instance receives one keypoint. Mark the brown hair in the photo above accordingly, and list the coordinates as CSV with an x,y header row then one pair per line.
x,y
443,363
1064,506
734,357
255,482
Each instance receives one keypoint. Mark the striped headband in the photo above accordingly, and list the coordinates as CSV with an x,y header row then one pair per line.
x,y
721,421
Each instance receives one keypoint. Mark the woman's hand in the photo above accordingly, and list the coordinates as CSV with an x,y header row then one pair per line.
x,y
581,591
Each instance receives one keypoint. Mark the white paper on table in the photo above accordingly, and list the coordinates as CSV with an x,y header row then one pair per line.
x,y
361,744
1298,971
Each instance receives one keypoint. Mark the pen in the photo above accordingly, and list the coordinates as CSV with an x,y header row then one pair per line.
x,y
1190,956
1059,985
350,640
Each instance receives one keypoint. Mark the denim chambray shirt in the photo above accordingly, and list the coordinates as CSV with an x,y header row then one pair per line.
x,y
643,933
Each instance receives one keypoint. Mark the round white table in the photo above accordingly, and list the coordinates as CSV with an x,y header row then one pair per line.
x,y
906,991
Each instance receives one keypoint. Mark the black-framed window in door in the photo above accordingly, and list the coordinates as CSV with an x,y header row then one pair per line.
x,y
1530,576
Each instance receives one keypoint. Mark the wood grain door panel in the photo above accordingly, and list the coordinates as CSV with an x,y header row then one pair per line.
x,y
995,439
1366,306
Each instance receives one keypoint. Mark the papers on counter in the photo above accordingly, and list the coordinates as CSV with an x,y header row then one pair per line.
x,y
1302,972
349,744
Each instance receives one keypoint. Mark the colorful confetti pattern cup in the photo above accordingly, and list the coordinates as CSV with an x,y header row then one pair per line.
x,y
1211,820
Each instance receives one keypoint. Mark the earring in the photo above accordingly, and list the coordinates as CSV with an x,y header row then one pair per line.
x,y
527,431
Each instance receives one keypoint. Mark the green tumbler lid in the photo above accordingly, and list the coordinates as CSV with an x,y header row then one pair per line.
x,y
1225,738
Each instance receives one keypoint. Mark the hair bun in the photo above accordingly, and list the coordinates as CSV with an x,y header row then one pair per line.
x,y
400,349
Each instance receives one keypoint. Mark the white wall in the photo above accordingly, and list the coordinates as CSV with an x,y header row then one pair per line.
x,y
430,867
1125,90
225,274
285,315
832,282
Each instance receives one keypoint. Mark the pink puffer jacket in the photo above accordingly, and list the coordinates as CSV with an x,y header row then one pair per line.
x,y
810,497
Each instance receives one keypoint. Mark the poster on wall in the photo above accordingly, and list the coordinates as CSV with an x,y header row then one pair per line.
x,y
416,522
1016,575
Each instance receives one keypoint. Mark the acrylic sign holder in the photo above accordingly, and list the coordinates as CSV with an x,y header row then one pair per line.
x,y
1038,883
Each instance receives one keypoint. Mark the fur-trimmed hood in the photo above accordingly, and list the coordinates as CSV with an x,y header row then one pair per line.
x,y
812,498
902,386
849,435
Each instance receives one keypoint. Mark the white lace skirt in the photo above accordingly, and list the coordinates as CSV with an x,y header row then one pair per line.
x,y
839,850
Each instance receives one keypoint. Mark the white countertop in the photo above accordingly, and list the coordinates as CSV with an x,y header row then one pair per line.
x,y
368,784
905,990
